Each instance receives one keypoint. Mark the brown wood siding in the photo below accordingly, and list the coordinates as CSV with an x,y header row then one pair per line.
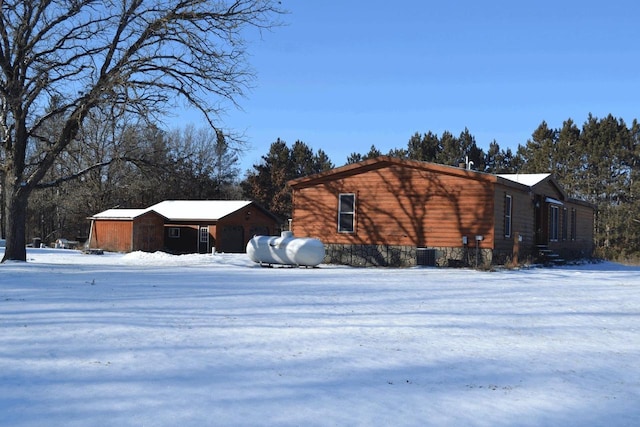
x,y
113,235
548,189
144,233
584,228
241,226
187,242
398,205
148,233
522,218
252,220
582,243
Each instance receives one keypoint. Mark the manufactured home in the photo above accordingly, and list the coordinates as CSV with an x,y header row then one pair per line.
x,y
394,212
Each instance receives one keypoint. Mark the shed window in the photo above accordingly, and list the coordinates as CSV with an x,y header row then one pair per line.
x,y
565,223
574,219
507,215
346,213
174,233
553,223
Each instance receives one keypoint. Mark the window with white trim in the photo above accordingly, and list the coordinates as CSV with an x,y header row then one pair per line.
x,y
174,233
565,223
507,215
346,213
554,219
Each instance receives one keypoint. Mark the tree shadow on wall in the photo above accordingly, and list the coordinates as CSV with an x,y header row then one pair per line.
x,y
398,205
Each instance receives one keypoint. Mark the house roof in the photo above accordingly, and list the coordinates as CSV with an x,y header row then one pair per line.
x,y
515,180
385,161
186,210
532,180
528,179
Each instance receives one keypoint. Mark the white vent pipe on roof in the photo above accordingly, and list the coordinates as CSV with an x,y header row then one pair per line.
x,y
286,250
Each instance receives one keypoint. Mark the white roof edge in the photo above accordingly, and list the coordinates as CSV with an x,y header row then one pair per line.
x,y
120,213
180,210
529,179
553,201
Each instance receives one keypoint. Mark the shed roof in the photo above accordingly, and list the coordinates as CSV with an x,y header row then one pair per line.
x,y
120,214
185,210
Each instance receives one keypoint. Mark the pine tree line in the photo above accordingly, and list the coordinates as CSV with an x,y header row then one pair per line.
x,y
598,163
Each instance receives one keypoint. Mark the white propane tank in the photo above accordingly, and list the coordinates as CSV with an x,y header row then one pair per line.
x,y
286,249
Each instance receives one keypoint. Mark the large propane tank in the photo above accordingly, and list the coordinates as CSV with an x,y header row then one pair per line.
x,y
286,249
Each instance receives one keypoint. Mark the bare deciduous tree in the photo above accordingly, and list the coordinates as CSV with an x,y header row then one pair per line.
x,y
206,166
132,56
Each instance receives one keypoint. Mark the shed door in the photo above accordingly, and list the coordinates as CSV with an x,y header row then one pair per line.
x,y
203,240
148,238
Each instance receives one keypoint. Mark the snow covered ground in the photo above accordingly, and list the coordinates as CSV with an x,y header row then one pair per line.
x,y
201,340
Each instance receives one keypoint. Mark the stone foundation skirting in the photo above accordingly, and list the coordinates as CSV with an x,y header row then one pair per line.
x,y
370,255
405,256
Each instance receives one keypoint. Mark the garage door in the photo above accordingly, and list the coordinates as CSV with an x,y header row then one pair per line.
x,y
232,239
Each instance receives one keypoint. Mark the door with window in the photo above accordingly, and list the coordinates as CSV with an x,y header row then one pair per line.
x,y
203,239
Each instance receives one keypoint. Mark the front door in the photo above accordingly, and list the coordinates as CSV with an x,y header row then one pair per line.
x,y
541,221
203,240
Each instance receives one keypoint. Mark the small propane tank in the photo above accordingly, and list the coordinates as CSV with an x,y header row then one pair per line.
x,y
286,249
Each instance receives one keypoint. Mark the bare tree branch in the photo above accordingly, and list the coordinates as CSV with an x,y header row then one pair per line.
x,y
136,56
82,172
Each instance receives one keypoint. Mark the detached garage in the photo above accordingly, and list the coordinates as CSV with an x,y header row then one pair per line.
x,y
184,226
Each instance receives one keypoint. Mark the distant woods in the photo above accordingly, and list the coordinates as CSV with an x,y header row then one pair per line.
x,y
139,165
598,162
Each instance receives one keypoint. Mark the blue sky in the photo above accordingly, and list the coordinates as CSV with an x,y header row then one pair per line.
x,y
343,75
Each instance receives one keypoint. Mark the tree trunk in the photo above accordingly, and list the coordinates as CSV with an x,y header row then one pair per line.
x,y
3,216
15,215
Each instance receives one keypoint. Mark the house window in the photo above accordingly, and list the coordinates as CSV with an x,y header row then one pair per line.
x,y
565,223
174,233
507,215
574,218
346,213
553,223
204,234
